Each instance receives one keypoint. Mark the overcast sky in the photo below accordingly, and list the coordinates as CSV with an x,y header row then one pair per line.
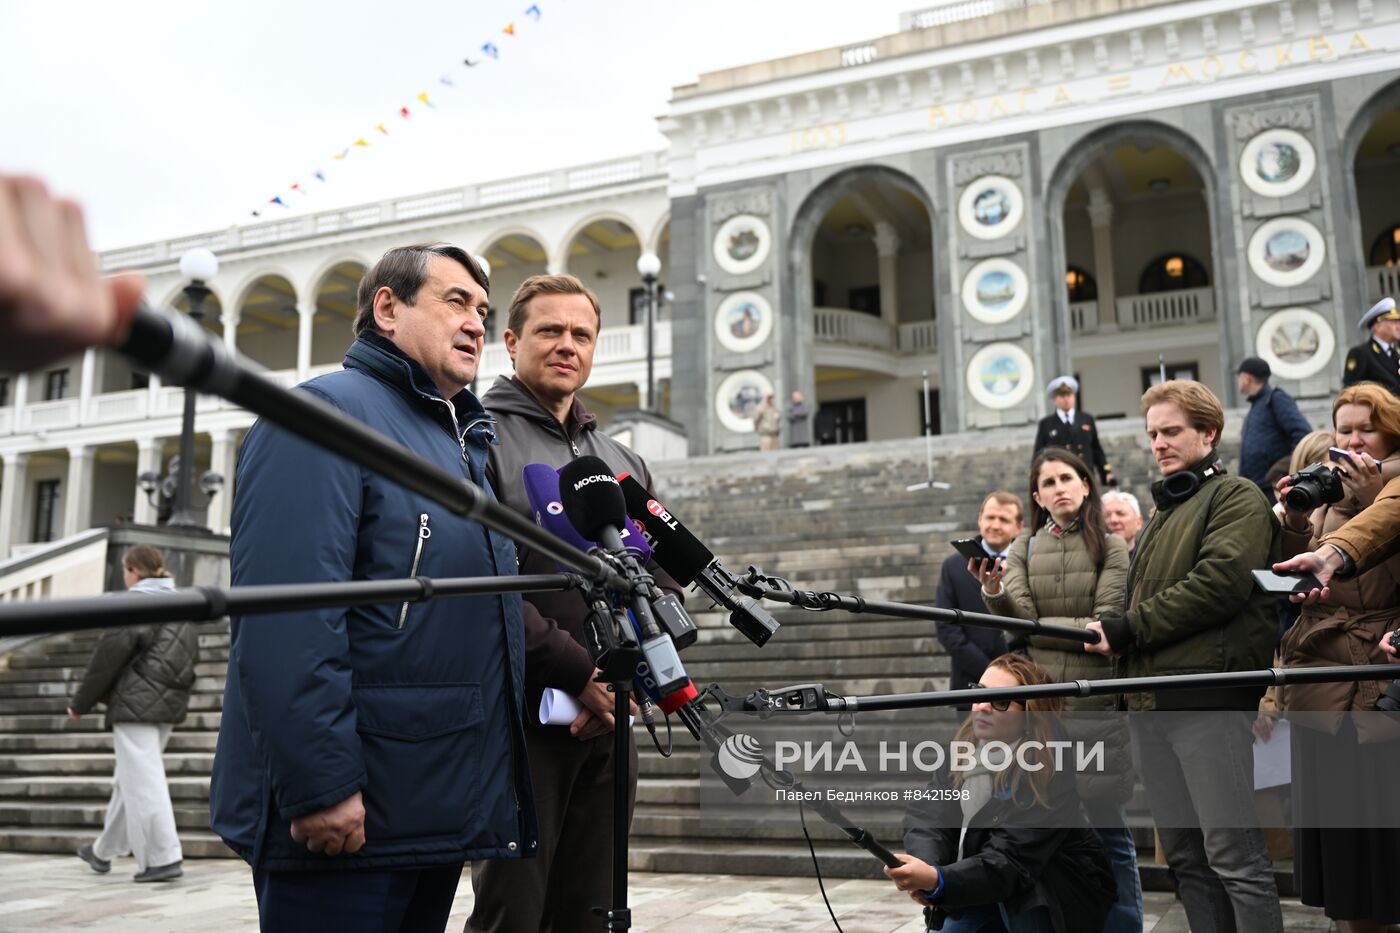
x,y
168,118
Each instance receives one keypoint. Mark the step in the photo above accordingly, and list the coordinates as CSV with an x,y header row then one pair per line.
x,y
182,787
67,839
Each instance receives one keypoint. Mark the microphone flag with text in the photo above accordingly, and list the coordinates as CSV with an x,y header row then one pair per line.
x,y
587,518
680,553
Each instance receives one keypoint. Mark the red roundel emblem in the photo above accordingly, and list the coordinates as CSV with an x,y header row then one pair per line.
x,y
655,508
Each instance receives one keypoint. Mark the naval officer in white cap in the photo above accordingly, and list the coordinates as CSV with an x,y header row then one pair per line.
x,y
1378,359
1070,428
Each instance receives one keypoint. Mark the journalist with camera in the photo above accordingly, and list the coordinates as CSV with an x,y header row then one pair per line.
x,y
1333,866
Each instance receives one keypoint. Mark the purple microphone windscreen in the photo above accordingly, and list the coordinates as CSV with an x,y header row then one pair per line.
x,y
542,490
674,548
591,496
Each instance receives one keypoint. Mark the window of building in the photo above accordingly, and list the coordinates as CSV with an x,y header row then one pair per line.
x,y
1172,271
55,385
1385,251
45,509
866,300
818,293
1081,285
1152,375
140,380
4,391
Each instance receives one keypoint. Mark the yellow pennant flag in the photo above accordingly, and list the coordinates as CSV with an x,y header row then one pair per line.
x,y
424,98
361,142
380,128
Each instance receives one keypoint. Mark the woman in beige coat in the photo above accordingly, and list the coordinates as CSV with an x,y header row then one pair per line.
x,y
1349,872
1067,569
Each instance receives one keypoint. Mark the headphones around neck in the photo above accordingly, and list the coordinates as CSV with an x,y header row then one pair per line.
x,y
1178,487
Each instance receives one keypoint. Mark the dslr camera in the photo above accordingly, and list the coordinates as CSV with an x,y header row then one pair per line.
x,y
1314,486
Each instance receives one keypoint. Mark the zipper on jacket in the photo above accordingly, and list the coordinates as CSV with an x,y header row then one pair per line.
x,y
424,533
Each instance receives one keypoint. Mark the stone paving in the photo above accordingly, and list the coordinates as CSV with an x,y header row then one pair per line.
x,y
49,892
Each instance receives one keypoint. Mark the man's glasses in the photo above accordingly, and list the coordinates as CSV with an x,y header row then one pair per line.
x,y
1000,706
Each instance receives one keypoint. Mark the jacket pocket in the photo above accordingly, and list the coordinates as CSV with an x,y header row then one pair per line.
x,y
421,746
424,533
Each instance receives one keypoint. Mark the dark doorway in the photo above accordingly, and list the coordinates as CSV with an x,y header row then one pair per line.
x,y
45,509
841,422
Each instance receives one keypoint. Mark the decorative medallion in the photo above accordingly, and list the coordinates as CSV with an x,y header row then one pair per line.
x,y
1286,251
742,244
995,290
1000,375
743,321
1277,162
738,398
1296,342
990,207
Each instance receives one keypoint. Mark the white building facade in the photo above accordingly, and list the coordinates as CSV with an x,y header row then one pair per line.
x,y
999,193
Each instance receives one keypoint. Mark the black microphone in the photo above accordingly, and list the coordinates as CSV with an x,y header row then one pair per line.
x,y
681,554
594,503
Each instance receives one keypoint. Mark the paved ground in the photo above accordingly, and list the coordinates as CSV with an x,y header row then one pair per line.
x,y
47,892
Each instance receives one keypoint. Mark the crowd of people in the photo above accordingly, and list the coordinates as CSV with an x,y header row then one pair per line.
x,y
366,754
1173,594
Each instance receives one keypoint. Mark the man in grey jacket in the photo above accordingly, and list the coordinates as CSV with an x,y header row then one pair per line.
x,y
551,335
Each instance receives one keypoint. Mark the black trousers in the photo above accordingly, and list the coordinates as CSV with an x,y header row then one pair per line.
x,y
558,888
400,901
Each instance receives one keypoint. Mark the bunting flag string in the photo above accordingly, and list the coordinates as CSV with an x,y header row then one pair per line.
x,y
488,51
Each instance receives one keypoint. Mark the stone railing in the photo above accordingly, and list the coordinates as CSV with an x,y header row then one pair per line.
x,y
1084,317
616,346
1166,309
1382,281
412,207
857,329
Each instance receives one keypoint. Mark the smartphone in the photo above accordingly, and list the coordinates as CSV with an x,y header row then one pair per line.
x,y
1285,584
971,548
1337,455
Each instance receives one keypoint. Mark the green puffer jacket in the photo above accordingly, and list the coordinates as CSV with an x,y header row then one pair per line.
x,y
1060,584
1192,607
142,672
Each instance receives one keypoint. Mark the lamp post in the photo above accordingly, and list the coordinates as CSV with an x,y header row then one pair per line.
x,y
199,266
649,267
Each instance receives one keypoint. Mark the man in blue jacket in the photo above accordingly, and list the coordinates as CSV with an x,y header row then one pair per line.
x,y
366,753
1273,427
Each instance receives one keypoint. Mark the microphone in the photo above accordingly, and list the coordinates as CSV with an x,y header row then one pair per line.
x,y
681,554
594,504
542,491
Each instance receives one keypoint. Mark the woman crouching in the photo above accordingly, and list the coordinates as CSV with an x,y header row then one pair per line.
x,y
1007,850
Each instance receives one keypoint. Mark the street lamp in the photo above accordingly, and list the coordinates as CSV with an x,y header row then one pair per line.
x,y
199,266
649,267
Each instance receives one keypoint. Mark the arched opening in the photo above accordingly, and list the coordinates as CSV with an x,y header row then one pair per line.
x,y
513,258
331,333
267,323
862,254
1377,173
1137,242
603,253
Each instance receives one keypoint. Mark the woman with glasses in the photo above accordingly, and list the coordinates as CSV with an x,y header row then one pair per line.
x,y
1005,849
1067,569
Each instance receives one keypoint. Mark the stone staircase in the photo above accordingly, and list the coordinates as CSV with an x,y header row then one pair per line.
x,y
838,519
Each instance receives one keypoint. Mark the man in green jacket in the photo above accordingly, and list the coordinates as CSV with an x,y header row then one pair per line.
x,y
1192,609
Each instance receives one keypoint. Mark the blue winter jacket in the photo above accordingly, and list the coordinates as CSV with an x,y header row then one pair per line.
x,y
419,706
1271,430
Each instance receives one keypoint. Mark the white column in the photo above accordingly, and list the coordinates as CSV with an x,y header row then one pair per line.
x,y
11,498
147,458
21,400
643,402
1101,220
230,320
306,319
85,382
77,491
152,395
223,457
887,249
